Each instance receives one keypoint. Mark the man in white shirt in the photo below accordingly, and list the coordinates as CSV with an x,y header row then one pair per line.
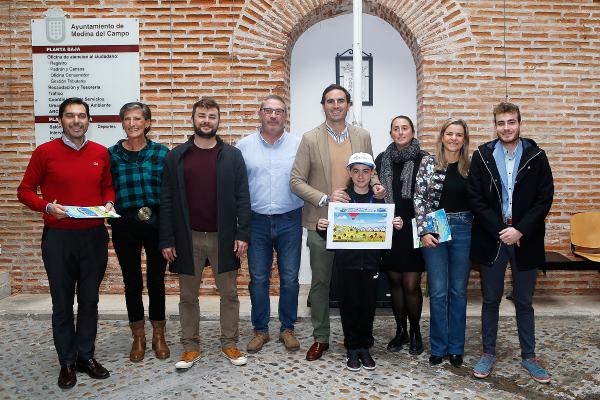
x,y
275,224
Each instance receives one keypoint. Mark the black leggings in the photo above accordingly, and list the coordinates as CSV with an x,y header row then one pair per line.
x,y
128,239
407,299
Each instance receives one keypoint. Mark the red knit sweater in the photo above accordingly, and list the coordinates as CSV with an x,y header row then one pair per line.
x,y
71,177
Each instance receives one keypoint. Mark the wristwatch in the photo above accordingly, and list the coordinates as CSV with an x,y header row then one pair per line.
x,y
324,201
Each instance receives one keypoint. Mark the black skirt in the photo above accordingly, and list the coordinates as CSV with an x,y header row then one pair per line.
x,y
402,257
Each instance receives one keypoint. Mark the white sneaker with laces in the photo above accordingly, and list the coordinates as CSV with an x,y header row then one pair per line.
x,y
234,355
188,359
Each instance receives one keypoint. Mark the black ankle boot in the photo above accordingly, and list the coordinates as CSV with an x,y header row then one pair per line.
x,y
416,341
403,331
401,338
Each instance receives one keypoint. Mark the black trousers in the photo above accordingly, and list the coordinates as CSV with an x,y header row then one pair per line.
x,y
492,285
128,237
358,295
75,261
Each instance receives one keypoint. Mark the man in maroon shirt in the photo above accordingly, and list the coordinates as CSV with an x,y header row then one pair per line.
x,y
205,216
72,170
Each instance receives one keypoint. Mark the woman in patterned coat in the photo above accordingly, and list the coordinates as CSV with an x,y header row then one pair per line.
x,y
442,183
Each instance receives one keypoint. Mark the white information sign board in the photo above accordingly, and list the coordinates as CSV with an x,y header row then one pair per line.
x,y
96,59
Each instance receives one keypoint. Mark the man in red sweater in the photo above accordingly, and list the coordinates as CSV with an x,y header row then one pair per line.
x,y
72,170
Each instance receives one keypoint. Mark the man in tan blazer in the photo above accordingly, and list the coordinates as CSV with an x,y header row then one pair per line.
x,y
318,177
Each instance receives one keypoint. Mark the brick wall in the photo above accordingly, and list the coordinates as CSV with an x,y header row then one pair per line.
x,y
238,51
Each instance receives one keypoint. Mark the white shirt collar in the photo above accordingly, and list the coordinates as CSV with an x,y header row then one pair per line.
x,y
72,145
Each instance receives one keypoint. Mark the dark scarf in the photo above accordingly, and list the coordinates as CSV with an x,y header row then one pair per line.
x,y
391,156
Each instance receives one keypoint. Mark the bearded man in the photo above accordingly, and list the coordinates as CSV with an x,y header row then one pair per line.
x,y
205,219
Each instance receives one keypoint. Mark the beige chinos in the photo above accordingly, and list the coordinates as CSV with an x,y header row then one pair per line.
x,y
205,246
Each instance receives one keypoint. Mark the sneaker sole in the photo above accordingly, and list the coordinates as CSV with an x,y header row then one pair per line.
x,y
352,369
187,365
540,380
236,361
480,375
369,368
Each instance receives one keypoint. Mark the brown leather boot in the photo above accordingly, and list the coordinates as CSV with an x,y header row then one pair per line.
x,y
138,348
159,344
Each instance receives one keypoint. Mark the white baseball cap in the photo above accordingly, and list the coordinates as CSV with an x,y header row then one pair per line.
x,y
361,158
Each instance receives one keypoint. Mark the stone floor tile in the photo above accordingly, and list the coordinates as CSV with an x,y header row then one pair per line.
x,y
569,347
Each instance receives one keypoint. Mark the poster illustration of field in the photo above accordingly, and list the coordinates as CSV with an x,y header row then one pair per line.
x,y
360,226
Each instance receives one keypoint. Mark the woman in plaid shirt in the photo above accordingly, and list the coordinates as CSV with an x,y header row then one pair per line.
x,y
136,164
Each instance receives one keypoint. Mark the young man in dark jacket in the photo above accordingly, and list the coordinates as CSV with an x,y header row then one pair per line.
x,y
205,215
511,191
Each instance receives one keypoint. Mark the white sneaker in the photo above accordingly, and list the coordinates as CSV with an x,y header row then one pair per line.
x,y
188,358
234,355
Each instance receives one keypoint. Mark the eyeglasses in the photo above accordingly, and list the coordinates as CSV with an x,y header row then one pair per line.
x,y
278,111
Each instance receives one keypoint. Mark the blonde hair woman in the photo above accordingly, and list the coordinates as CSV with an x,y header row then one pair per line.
x,y
442,183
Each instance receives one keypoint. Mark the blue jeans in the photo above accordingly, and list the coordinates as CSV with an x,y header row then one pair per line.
x,y
282,232
448,268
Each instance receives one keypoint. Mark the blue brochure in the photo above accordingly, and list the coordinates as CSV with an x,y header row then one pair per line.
x,y
437,222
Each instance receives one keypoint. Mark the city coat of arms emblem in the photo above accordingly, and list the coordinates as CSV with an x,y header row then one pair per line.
x,y
55,25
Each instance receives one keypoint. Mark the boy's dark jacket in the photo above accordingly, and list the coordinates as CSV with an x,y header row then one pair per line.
x,y
353,259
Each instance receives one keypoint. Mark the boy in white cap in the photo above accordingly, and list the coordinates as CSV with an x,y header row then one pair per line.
x,y
357,272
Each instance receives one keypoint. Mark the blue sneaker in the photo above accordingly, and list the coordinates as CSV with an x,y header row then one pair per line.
x,y
484,367
536,370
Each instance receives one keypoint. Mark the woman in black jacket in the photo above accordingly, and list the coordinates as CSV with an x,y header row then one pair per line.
x,y
397,168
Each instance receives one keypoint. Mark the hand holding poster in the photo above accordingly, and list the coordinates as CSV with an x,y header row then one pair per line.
x,y
360,226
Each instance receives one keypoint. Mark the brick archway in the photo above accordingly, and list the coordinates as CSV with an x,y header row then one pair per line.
x,y
266,32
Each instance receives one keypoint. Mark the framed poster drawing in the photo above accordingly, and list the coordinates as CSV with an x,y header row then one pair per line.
x,y
360,226
344,75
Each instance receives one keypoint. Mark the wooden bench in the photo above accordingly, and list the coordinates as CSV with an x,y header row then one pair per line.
x,y
558,262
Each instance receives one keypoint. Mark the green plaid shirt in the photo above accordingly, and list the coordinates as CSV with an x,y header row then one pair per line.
x,y
137,181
